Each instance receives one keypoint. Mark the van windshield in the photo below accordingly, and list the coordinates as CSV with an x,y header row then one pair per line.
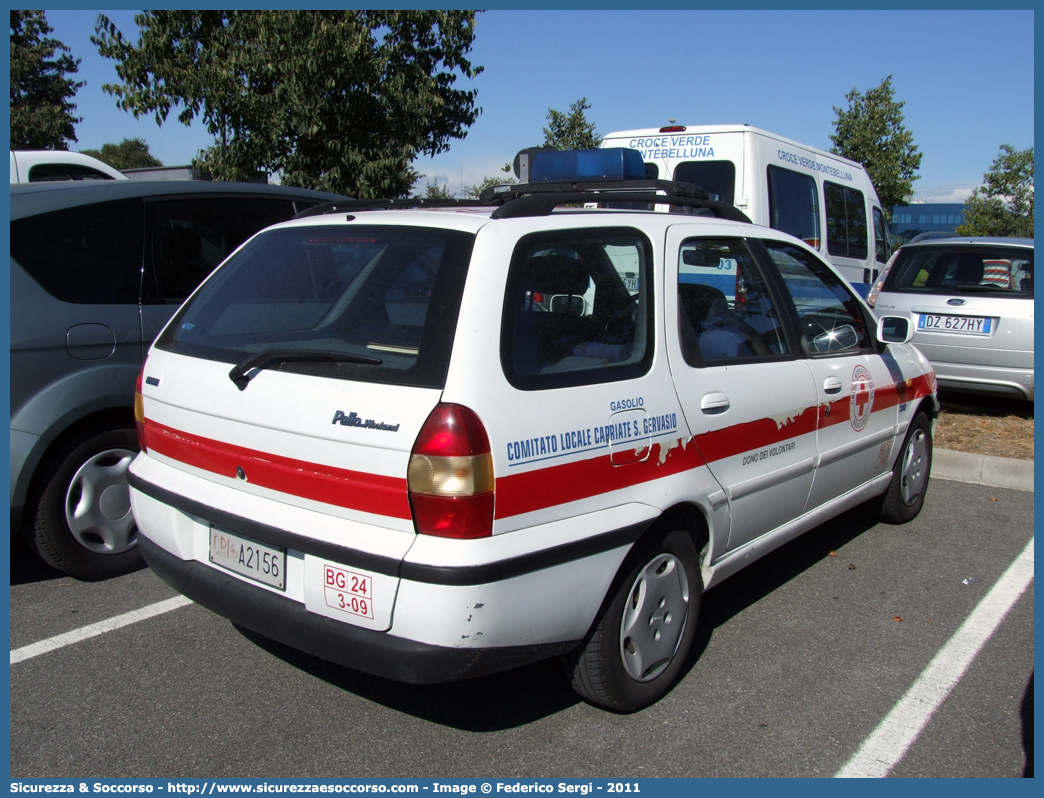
x,y
382,301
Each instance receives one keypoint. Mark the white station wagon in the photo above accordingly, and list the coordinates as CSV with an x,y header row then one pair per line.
x,y
431,443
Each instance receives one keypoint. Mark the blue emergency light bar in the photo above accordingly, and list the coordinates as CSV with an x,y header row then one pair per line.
x,y
611,163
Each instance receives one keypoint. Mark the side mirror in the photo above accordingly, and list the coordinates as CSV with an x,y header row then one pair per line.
x,y
894,330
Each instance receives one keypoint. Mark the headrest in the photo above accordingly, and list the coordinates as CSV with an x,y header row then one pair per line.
x,y
557,274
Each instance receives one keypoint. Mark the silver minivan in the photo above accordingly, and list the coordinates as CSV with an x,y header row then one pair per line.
x,y
97,269
971,303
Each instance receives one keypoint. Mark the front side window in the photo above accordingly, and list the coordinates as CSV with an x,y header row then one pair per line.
x,y
725,311
830,318
375,304
90,255
955,271
794,205
846,221
717,178
578,308
190,238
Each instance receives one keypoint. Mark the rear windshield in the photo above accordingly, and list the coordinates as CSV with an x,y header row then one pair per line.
x,y
381,300
952,270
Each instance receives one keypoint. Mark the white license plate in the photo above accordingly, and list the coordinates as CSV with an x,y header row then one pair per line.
x,y
630,283
248,557
964,325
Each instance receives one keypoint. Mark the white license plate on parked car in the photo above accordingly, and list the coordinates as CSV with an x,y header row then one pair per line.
x,y
630,283
966,325
248,557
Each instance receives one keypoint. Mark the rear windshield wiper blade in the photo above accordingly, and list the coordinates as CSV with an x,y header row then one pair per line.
x,y
264,359
983,289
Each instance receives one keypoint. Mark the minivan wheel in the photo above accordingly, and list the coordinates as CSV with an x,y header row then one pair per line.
x,y
905,495
83,524
640,643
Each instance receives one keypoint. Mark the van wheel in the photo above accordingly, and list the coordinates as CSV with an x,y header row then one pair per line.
x,y
905,495
640,643
83,524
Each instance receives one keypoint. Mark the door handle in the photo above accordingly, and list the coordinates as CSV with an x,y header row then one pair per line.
x,y
715,402
831,385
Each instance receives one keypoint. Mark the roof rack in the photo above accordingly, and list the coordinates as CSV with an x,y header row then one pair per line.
x,y
528,199
603,177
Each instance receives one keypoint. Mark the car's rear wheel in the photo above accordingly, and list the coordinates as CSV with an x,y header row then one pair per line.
x,y
82,522
905,495
640,643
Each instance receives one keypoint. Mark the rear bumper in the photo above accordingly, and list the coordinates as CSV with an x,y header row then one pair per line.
x,y
1015,383
288,622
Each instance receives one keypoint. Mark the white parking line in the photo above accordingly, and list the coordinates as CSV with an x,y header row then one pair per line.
x,y
95,629
896,733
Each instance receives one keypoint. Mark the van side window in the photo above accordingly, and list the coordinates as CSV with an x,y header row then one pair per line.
x,y
846,221
578,309
90,255
794,204
830,319
191,237
725,312
717,178
882,245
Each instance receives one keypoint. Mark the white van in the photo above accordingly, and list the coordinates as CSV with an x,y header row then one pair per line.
x,y
48,166
778,183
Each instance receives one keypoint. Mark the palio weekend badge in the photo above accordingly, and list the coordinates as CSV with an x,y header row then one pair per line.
x,y
862,402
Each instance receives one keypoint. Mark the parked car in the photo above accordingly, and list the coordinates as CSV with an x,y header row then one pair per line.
x,y
97,269
366,437
971,304
48,166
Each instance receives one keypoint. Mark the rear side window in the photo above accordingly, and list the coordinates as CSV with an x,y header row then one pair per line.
x,y
54,172
376,304
578,309
90,255
794,205
725,310
830,318
949,270
717,178
846,221
190,237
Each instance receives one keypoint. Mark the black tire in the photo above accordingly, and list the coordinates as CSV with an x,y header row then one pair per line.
x,y
85,480
607,669
905,495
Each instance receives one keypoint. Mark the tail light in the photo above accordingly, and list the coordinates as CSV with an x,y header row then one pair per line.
x,y
673,129
139,409
450,475
875,289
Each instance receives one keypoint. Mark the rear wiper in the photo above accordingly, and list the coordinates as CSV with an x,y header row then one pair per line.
x,y
261,360
975,289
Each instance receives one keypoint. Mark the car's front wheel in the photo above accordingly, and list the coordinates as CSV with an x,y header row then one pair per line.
x,y
82,522
640,643
905,495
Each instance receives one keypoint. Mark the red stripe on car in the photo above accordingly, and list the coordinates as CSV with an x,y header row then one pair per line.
x,y
354,490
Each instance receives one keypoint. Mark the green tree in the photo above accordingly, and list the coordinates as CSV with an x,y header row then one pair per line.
x,y
437,191
338,100
1003,205
871,131
41,91
571,131
476,190
128,154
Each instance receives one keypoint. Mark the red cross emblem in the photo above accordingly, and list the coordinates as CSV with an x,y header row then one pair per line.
x,y
862,402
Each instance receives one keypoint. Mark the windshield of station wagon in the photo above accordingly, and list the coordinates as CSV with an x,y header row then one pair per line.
x,y
386,295
952,270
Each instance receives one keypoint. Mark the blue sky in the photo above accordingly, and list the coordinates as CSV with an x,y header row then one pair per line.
x,y
966,78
